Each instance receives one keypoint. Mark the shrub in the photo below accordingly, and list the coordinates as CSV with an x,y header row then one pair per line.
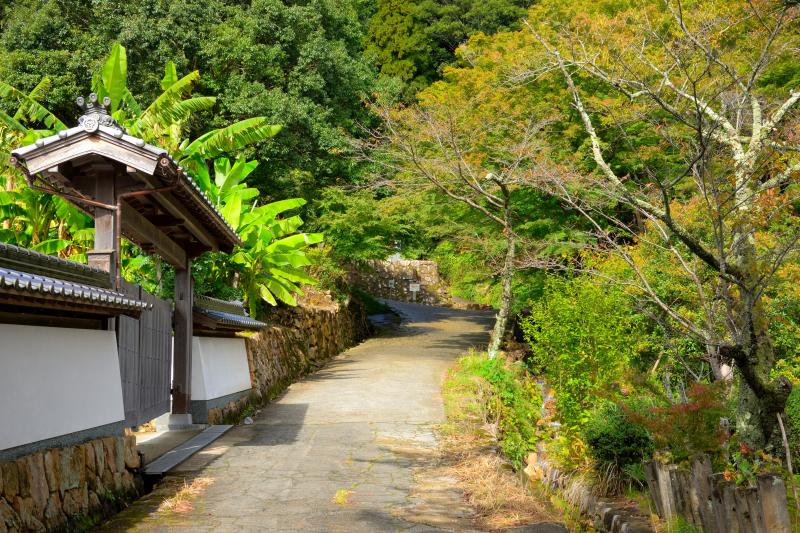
x,y
617,443
583,338
686,429
514,404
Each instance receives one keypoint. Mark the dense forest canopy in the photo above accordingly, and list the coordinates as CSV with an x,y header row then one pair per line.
x,y
298,64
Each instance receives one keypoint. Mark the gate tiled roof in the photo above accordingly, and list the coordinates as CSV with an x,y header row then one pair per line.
x,y
212,314
33,288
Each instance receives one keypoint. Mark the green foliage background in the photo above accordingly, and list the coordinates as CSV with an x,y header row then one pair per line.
x,y
320,68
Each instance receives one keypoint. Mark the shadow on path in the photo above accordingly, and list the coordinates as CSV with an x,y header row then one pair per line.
x,y
336,452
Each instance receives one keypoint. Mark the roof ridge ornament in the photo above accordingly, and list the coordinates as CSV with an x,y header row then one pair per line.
x,y
96,114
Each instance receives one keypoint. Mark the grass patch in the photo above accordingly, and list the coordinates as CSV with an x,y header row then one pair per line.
x,y
486,407
494,399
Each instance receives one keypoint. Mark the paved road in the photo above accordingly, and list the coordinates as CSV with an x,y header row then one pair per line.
x,y
338,450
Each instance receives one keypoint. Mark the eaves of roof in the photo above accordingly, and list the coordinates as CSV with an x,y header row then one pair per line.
x,y
22,284
189,191
230,320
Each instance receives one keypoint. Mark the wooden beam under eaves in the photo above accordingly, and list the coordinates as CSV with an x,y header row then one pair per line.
x,y
176,208
142,231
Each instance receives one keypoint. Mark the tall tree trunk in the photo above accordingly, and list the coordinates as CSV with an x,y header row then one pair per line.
x,y
718,367
760,398
501,321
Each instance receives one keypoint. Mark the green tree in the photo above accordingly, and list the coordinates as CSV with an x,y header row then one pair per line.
x,y
413,41
672,66
300,65
270,265
583,338
360,227
297,64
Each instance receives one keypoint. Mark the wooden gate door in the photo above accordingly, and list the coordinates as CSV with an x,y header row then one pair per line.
x,y
145,358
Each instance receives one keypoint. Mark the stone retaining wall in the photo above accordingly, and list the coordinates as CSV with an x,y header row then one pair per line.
x,y
610,515
298,341
64,489
394,279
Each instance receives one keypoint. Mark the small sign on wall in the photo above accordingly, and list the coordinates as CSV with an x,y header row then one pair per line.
x,y
413,287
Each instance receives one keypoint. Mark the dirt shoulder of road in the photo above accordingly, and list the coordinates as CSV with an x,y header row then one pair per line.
x,y
500,495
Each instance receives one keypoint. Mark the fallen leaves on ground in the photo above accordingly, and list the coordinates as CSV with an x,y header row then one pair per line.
x,y
498,494
181,502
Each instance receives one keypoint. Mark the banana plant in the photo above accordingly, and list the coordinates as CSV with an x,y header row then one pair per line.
x,y
43,223
163,121
31,219
25,125
270,265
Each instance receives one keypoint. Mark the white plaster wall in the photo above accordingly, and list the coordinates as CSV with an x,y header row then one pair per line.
x,y
56,381
219,367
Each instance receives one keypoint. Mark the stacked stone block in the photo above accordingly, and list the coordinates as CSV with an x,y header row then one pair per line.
x,y
55,489
300,340
393,279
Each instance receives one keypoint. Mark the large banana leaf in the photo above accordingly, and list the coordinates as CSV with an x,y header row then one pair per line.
x,y
295,241
30,110
170,106
170,76
292,259
231,138
290,274
12,123
115,76
51,246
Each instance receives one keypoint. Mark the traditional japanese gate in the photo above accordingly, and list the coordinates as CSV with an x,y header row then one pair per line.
x,y
145,357
139,191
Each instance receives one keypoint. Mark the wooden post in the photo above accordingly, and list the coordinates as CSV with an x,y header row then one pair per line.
x,y
729,507
105,233
772,493
718,502
701,493
651,475
665,487
182,356
684,496
754,510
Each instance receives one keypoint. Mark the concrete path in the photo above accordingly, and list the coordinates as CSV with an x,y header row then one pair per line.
x,y
337,451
